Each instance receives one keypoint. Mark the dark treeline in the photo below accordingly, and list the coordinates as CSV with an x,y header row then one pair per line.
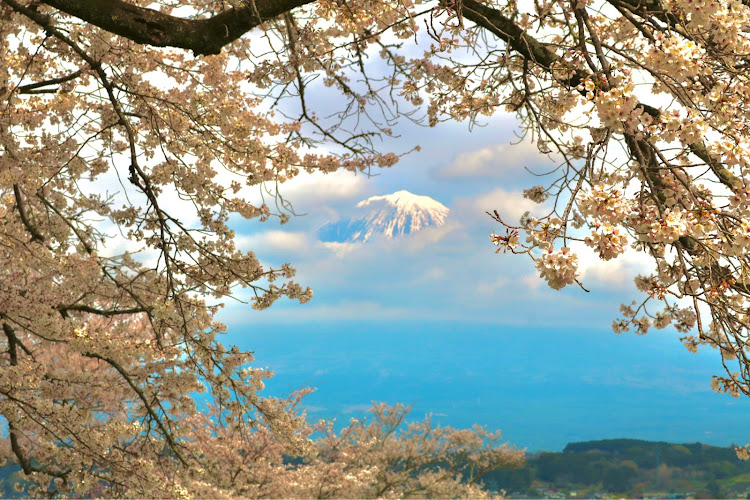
x,y
628,466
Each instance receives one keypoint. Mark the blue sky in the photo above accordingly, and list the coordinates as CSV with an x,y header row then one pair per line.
x,y
439,321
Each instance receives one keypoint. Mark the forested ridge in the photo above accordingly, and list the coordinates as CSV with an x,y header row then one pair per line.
x,y
631,467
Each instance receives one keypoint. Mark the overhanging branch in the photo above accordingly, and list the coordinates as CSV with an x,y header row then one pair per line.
x,y
505,29
151,27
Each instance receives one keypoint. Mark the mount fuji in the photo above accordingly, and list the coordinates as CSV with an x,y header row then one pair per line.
x,y
389,215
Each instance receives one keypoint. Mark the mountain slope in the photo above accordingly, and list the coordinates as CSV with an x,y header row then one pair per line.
x,y
390,215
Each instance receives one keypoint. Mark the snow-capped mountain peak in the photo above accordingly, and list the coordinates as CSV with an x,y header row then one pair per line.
x,y
389,215
406,200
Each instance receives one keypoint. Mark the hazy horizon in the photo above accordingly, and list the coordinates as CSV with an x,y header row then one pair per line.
x,y
484,374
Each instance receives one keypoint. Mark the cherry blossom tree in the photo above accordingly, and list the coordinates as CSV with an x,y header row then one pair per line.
x,y
376,457
113,381
112,375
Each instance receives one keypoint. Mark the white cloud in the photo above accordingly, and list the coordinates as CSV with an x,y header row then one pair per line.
x,y
508,204
511,205
312,190
275,240
497,161
427,237
611,274
340,249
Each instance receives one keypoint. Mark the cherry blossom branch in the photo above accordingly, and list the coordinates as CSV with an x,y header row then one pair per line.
x,y
146,404
26,465
32,87
22,212
108,313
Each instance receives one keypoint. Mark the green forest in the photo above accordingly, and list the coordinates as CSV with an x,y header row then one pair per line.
x,y
628,467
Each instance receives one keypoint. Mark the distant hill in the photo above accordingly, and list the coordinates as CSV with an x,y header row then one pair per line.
x,y
630,467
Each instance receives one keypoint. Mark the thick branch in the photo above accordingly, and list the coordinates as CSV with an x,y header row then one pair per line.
x,y
151,27
21,205
727,178
32,87
505,29
101,312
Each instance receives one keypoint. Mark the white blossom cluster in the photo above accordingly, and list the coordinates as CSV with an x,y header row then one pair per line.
x,y
537,194
609,242
558,267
